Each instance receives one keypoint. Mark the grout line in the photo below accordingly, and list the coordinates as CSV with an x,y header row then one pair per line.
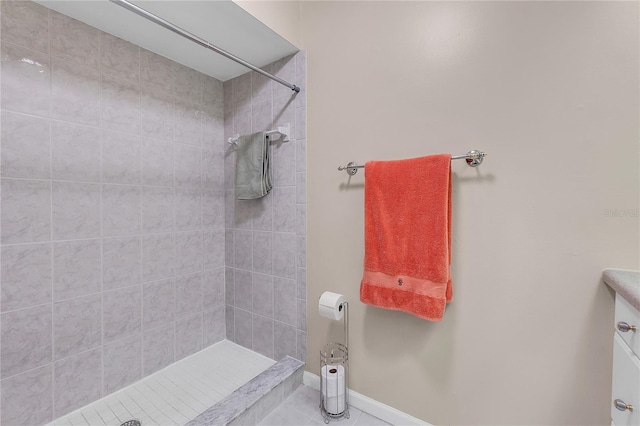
x,y
53,272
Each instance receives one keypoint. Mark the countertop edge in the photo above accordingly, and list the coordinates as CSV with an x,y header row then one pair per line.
x,y
626,283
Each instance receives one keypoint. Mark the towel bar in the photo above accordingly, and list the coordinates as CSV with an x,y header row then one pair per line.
x,y
280,133
474,159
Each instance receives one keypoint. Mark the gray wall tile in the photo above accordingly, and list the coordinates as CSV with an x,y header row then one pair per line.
x,y
158,256
26,339
301,282
301,344
75,93
25,84
213,129
26,276
120,102
77,268
158,303
212,168
263,295
119,57
301,314
157,162
263,217
285,340
121,262
213,291
120,210
77,325
242,121
241,91
188,252
301,219
157,209
77,381
243,328
156,72
188,209
26,211
229,286
188,295
122,363
157,118
301,251
74,41
262,252
158,345
122,313
186,83
284,300
212,95
213,209
26,399
283,164
188,336
76,210
120,158
213,322
213,246
284,255
243,290
188,170
26,147
229,248
301,155
187,128
75,152
242,249
25,23
263,335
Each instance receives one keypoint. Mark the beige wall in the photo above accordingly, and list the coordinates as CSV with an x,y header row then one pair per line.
x,y
283,17
550,91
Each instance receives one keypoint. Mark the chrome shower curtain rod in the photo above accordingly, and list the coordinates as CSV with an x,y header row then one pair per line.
x,y
168,25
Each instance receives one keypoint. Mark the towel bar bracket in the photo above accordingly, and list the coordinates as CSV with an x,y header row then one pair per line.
x,y
474,158
351,169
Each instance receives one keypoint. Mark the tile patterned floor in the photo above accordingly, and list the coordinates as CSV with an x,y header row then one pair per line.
x,y
302,408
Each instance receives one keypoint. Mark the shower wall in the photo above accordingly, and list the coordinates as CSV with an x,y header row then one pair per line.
x,y
266,238
112,223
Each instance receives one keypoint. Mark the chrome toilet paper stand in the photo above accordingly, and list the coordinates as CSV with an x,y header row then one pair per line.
x,y
336,355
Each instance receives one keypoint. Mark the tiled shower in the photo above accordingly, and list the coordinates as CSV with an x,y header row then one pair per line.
x,y
122,248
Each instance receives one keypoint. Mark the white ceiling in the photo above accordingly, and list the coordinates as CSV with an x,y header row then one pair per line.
x,y
220,22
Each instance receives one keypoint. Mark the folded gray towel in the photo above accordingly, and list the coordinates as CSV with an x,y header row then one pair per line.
x,y
253,166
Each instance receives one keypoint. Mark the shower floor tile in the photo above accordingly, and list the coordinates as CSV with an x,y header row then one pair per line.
x,y
177,393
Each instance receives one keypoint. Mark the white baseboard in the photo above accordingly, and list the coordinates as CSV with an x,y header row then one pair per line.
x,y
369,405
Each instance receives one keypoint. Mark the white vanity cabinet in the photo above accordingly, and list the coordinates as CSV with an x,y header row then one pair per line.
x,y
625,398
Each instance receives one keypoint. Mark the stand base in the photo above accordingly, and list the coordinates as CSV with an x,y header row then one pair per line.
x,y
328,416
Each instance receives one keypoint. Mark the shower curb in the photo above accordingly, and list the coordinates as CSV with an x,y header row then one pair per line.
x,y
249,404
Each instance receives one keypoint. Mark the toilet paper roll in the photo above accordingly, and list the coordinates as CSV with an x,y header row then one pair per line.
x,y
333,380
334,404
330,305
333,388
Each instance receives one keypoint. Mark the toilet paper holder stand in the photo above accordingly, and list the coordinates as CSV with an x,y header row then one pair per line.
x,y
334,359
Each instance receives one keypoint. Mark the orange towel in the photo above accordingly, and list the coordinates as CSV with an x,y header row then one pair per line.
x,y
407,206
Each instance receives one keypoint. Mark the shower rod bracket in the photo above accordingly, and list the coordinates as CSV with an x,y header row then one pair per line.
x,y
473,158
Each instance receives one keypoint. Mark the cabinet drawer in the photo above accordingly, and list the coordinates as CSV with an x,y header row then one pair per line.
x,y
626,383
626,313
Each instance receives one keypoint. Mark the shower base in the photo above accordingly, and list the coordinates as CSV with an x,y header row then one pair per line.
x,y
224,384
